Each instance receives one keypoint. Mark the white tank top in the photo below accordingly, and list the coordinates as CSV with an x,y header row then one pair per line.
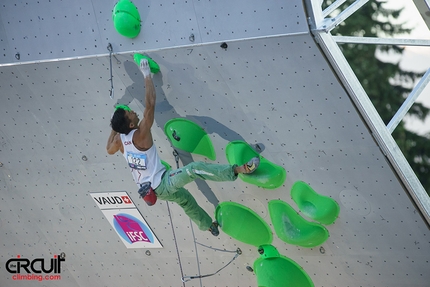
x,y
145,165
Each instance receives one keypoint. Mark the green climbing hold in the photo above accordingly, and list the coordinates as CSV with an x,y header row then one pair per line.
x,y
275,270
268,175
166,165
188,136
243,224
291,228
268,251
319,207
126,19
155,68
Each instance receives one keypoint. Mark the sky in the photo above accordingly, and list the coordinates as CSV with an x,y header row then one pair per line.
x,y
415,58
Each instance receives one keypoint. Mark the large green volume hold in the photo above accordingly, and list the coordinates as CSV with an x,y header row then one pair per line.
x,y
267,175
243,224
319,207
275,270
188,136
291,228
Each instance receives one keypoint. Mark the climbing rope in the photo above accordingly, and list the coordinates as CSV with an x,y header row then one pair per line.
x,y
189,278
175,153
176,243
222,250
197,253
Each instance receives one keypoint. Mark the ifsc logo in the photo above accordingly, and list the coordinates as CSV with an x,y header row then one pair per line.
x,y
131,229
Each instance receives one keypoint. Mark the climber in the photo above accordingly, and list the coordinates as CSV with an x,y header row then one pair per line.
x,y
134,139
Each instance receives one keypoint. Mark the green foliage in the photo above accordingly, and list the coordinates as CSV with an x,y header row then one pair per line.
x,y
386,84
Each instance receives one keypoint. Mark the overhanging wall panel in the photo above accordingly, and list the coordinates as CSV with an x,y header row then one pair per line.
x,y
306,124
50,30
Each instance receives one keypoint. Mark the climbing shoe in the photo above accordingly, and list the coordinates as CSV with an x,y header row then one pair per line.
x,y
251,165
214,228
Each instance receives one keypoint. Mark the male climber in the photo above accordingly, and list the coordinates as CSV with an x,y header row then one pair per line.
x,y
134,140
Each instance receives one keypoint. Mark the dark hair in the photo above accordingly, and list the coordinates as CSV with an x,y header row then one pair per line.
x,y
119,122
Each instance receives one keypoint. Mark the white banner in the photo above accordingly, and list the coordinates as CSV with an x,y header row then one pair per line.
x,y
112,200
126,220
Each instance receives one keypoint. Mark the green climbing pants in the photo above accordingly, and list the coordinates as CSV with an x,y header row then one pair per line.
x,y
171,187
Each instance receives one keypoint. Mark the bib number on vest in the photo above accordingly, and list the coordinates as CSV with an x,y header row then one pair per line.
x,y
136,161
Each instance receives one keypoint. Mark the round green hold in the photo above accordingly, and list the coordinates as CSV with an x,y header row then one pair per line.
x,y
155,68
126,19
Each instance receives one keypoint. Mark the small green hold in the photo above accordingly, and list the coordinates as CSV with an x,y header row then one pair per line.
x,y
166,165
155,68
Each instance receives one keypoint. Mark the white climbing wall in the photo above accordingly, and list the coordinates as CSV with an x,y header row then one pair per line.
x,y
271,86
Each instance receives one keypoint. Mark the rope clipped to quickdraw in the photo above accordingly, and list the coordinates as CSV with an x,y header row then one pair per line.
x,y
189,278
176,155
109,47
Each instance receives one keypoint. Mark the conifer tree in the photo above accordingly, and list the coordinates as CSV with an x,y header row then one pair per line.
x,y
386,83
